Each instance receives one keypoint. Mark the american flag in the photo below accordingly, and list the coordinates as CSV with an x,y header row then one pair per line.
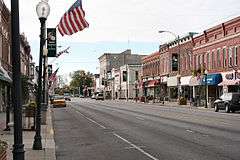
x,y
53,76
73,20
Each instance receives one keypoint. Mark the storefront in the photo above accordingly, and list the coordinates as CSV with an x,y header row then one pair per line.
x,y
186,90
172,84
163,87
152,87
213,90
231,82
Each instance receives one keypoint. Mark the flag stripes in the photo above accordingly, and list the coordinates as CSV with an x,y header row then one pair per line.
x,y
73,20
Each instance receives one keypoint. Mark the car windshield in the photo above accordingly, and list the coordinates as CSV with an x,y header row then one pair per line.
x,y
58,97
226,96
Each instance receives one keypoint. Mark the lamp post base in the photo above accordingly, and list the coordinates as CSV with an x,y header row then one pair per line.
x,y
37,144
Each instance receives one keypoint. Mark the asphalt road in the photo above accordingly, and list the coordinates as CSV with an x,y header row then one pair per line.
x,y
118,130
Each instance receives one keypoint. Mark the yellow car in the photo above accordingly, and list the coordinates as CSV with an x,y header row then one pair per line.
x,y
59,101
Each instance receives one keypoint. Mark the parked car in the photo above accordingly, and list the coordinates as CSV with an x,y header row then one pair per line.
x,y
59,101
228,102
76,95
99,96
67,97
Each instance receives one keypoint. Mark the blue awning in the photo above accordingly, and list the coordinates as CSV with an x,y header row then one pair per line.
x,y
212,79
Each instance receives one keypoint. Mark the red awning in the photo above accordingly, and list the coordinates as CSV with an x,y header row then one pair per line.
x,y
153,83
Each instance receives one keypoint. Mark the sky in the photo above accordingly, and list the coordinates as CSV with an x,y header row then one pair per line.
x,y
117,25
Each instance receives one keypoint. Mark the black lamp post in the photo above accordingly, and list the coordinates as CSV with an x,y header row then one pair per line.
x,y
206,87
18,147
43,10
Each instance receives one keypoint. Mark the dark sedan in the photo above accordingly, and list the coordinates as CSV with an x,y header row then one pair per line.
x,y
228,102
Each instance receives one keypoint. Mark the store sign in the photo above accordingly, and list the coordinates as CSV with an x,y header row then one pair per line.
x,y
232,76
51,42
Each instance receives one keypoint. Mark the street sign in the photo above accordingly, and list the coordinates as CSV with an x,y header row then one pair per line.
x,y
51,42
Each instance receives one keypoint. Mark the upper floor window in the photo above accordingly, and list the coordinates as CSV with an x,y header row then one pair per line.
x,y
190,60
213,60
219,58
235,55
224,57
230,57
208,60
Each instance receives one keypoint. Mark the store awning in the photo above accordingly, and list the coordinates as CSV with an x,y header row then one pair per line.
x,y
195,81
213,79
229,82
185,80
172,81
4,75
152,83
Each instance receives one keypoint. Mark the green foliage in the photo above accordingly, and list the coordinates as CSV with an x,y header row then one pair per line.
x,y
80,79
182,101
25,88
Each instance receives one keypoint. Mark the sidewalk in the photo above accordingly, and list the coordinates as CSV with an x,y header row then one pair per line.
x,y
166,103
48,143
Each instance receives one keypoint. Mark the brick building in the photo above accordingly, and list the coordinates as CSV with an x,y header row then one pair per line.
x,y
5,57
161,69
217,51
212,56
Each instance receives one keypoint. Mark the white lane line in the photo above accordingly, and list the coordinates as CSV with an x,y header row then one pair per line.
x,y
91,120
189,131
140,118
136,147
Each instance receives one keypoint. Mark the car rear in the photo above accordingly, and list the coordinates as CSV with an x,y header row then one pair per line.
x,y
59,101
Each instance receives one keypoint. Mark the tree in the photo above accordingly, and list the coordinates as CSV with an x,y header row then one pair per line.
x,y
81,79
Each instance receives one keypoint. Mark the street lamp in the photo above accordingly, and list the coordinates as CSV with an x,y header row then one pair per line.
x,y
43,10
178,55
18,147
44,90
206,87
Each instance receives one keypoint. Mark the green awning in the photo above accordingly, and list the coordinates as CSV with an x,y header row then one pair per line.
x,y
4,75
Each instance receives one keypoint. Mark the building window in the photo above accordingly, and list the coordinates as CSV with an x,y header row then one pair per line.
x,y
213,60
230,57
235,55
208,60
219,58
224,57
198,61
190,60
136,75
124,76
195,62
203,61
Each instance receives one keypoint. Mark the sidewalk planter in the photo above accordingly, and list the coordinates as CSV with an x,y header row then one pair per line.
x,y
3,150
182,101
